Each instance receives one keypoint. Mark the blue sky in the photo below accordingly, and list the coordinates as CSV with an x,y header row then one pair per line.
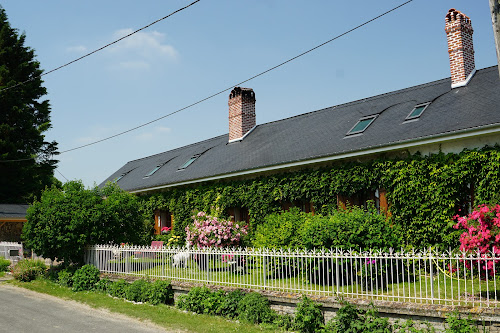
x,y
211,46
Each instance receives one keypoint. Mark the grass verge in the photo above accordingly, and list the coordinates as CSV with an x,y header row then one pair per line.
x,y
165,316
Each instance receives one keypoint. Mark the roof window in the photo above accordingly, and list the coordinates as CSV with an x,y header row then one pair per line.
x,y
362,125
192,159
156,168
121,176
189,162
417,111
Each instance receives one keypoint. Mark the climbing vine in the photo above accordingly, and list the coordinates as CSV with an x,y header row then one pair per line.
x,y
424,192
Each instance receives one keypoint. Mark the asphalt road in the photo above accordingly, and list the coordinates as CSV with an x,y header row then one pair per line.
x,y
23,310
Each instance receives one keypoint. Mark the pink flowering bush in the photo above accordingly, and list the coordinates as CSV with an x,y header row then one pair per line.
x,y
209,231
482,236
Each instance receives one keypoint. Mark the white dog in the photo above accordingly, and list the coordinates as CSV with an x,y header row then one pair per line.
x,y
181,258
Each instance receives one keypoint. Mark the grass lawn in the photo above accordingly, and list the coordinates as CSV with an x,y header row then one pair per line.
x,y
162,315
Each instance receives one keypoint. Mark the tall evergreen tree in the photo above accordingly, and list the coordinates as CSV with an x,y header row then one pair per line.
x,y
26,159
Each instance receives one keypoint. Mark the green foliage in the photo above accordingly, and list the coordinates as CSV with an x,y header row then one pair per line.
x,y
103,285
349,319
409,326
213,302
28,269
65,221
229,306
85,278
160,292
138,291
281,230
309,317
4,264
255,308
118,288
353,227
358,228
286,322
456,324
423,192
194,300
25,116
65,278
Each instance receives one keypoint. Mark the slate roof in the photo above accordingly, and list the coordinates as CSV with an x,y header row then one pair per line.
x,y
323,133
11,211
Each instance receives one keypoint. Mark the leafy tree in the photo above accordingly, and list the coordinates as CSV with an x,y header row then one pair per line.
x,y
63,222
24,117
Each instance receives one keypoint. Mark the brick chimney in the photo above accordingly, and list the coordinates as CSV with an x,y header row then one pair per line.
x,y
241,113
459,33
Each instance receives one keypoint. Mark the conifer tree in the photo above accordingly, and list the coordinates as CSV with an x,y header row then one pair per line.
x,y
26,159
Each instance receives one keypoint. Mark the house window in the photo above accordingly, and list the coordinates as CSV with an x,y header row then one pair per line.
x,y
304,205
362,125
417,111
360,199
466,202
163,218
238,214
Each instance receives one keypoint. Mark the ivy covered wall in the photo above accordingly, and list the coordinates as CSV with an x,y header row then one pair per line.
x,y
424,192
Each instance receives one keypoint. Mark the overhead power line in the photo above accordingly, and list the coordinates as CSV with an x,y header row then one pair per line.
x,y
239,83
101,48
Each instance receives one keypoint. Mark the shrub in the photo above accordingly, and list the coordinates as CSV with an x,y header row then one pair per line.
x,y
456,324
194,300
208,231
285,321
85,278
160,292
28,269
138,291
65,278
353,227
103,285
213,303
229,306
255,308
308,317
4,264
118,288
280,230
482,235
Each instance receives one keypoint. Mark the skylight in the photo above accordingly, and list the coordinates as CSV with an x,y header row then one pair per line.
x,y
120,176
156,168
190,161
417,111
362,125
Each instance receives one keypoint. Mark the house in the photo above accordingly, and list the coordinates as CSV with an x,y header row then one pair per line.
x,y
448,115
12,218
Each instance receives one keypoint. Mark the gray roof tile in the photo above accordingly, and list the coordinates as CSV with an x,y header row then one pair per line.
x,y
323,133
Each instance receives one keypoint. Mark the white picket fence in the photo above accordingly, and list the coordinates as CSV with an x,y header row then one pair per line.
x,y
423,277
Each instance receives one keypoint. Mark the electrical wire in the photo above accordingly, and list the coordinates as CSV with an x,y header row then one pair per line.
x,y
101,48
239,83
234,85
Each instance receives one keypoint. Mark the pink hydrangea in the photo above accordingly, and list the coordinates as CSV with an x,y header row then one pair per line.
x,y
207,231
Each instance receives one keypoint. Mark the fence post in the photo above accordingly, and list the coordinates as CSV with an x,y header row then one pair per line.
x,y
264,270
431,271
